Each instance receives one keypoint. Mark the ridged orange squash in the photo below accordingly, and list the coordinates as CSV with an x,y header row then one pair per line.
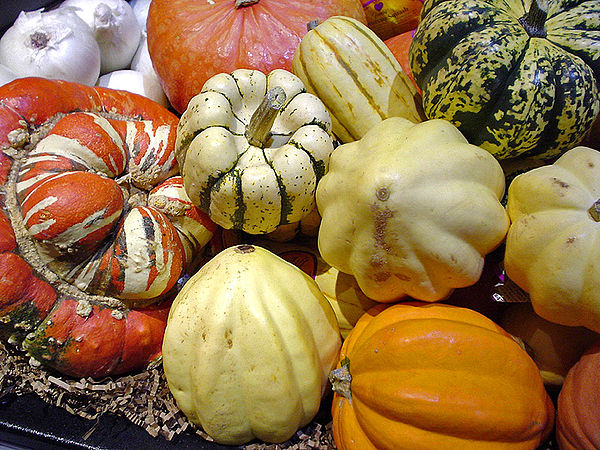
x,y
422,376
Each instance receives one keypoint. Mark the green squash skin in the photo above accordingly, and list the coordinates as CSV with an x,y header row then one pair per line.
x,y
513,94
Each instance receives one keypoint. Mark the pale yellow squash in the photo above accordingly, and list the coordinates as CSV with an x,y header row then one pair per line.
x,y
249,343
553,245
356,76
411,209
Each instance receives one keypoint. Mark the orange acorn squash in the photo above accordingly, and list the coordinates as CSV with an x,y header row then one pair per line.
x,y
423,376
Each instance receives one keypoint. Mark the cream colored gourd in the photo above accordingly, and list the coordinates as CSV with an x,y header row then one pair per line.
x,y
411,209
553,245
356,76
252,147
249,343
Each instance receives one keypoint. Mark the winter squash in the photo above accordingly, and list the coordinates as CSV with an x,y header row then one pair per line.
x,y
554,348
90,249
577,420
190,41
519,79
248,346
419,375
417,216
252,147
356,76
551,246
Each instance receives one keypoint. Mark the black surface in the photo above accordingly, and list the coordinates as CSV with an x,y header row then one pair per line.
x,y
28,422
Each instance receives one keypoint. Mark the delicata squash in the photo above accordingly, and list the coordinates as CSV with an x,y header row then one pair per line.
x,y
95,227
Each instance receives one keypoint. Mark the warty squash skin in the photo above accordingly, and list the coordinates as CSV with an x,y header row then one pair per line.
x,y
356,76
552,244
411,209
422,376
518,77
248,346
251,178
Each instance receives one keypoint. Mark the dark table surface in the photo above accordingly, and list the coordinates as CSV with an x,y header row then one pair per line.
x,y
27,422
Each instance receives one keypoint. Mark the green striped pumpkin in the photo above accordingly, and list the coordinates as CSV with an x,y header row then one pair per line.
x,y
251,148
518,78
356,76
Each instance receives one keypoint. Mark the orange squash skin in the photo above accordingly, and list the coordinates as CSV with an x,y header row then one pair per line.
x,y
189,41
578,407
438,376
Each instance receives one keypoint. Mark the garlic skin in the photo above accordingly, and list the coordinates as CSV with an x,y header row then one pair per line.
x,y
56,44
136,82
115,27
140,9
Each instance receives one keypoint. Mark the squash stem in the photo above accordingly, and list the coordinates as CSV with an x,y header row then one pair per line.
x,y
243,3
594,211
341,379
534,21
258,130
312,25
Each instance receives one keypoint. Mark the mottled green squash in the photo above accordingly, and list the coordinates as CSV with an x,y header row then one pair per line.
x,y
519,79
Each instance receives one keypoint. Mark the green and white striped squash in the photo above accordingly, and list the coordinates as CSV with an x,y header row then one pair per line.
x,y
518,78
356,76
252,147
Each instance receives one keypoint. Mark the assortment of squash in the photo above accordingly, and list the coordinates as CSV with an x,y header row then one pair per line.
x,y
399,170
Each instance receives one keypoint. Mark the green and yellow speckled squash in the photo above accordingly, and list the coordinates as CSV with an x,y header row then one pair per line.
x,y
517,78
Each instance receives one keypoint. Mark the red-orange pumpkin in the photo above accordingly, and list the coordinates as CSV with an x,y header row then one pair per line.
x,y
578,407
426,376
189,41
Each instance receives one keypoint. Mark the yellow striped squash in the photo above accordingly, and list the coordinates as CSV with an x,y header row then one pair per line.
x,y
356,76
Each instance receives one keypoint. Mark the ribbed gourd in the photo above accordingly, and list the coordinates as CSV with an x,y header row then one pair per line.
x,y
252,148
